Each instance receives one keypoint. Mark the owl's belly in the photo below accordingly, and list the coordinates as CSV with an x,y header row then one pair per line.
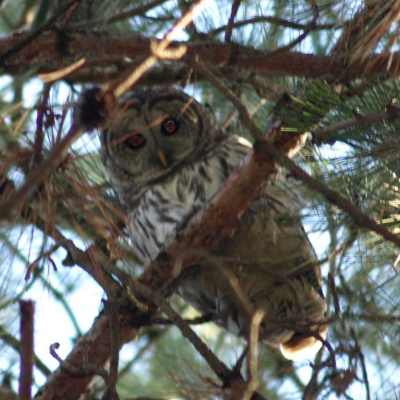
x,y
268,264
287,308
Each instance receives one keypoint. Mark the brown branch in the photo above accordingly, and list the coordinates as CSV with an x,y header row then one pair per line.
x,y
96,343
27,311
45,55
26,40
112,311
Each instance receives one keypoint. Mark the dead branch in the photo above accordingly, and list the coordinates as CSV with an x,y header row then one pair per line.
x,y
27,311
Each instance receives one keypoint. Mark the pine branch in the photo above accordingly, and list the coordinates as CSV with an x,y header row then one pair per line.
x,y
46,55
325,136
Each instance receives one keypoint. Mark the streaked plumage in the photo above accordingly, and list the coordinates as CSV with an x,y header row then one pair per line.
x,y
166,158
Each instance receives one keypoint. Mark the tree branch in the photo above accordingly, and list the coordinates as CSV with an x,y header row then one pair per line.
x,y
325,136
96,343
27,312
45,55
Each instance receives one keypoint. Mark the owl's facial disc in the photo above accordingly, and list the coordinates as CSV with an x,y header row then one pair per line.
x,y
155,134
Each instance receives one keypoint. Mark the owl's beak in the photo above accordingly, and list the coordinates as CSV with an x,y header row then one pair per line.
x,y
162,158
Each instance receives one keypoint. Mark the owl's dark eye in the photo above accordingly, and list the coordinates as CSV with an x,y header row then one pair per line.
x,y
135,141
169,126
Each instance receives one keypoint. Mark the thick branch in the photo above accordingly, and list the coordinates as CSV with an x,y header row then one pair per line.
x,y
45,54
96,344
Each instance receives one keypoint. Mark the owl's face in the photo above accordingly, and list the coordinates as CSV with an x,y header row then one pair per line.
x,y
153,134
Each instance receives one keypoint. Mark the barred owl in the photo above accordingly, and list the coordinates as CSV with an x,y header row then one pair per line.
x,y
166,157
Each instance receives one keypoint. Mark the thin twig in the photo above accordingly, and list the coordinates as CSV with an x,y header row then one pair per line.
x,y
365,374
362,362
139,10
244,113
220,369
83,370
39,135
333,291
273,20
39,175
159,50
310,26
253,355
232,16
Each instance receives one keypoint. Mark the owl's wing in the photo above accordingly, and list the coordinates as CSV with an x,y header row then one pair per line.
x,y
276,267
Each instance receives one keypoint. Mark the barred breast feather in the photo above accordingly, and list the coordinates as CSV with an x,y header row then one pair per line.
x,y
167,206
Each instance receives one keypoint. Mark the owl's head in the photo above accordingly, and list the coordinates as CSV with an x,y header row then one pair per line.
x,y
153,134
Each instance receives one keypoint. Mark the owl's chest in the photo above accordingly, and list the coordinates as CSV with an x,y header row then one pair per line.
x,y
168,206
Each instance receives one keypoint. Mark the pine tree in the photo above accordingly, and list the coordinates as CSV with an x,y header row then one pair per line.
x,y
321,70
